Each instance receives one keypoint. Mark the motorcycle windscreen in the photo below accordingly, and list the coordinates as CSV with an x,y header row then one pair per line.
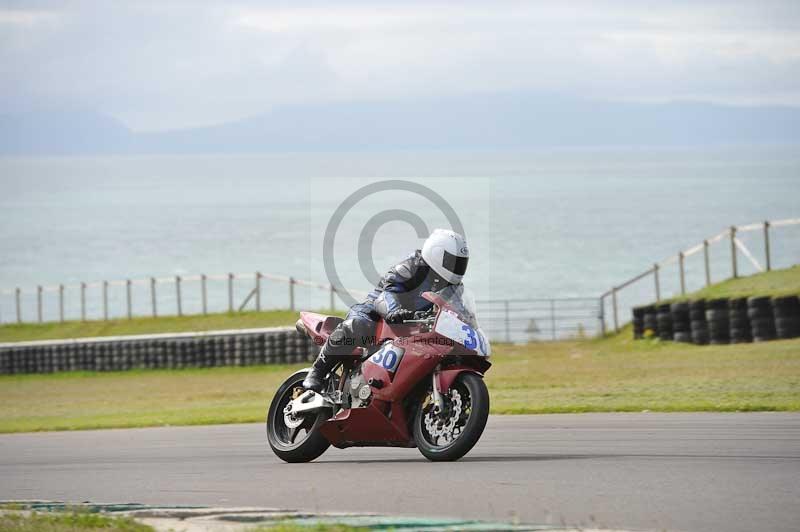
x,y
451,326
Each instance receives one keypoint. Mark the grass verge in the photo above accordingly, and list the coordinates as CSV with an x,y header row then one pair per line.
x,y
773,283
606,375
68,522
164,324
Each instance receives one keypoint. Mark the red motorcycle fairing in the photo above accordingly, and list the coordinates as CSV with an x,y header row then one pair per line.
x,y
361,427
318,326
384,420
419,359
447,376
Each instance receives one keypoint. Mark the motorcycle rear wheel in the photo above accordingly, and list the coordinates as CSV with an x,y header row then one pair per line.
x,y
470,391
284,439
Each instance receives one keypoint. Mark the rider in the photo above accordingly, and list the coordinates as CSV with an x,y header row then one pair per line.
x,y
441,262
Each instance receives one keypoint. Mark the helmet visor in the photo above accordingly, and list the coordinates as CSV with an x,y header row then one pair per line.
x,y
454,263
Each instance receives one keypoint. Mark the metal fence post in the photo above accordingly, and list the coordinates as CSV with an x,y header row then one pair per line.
x,y
291,293
178,294
105,300
553,318
707,264
153,298
508,325
230,292
734,266
614,308
258,291
83,301
333,299
61,303
683,273
204,293
658,284
17,294
39,303
128,308
766,244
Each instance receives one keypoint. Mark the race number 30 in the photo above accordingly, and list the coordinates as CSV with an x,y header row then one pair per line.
x,y
388,357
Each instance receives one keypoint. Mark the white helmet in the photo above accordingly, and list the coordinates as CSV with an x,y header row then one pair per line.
x,y
447,253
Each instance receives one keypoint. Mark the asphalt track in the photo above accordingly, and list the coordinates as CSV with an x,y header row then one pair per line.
x,y
703,472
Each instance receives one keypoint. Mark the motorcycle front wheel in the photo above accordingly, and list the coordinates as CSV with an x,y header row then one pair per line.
x,y
295,440
450,434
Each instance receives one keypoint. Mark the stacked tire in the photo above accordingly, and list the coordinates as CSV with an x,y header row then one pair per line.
x,y
718,321
650,319
697,322
740,331
638,323
762,320
664,317
681,324
786,311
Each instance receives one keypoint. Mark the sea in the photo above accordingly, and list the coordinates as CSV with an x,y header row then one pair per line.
x,y
556,223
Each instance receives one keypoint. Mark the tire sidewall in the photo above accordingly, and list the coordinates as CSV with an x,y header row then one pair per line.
x,y
471,433
313,446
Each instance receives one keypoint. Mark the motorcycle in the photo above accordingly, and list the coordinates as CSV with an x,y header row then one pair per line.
x,y
419,384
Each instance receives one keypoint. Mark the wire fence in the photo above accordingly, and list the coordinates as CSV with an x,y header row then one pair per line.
x,y
532,320
730,252
162,296
503,320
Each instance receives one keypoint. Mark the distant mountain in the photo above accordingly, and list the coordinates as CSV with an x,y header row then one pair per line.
x,y
63,133
488,121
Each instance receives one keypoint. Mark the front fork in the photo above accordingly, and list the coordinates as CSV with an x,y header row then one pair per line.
x,y
438,402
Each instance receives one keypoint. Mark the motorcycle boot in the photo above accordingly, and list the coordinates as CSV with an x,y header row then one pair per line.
x,y
340,343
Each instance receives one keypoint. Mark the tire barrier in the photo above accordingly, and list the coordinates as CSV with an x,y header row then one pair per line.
x,y
664,316
740,331
721,321
762,320
697,322
786,310
163,351
681,328
717,312
638,323
651,319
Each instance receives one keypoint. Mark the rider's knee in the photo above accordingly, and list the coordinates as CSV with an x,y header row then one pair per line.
x,y
352,332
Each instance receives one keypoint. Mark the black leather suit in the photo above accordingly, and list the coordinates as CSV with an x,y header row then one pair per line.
x,y
401,287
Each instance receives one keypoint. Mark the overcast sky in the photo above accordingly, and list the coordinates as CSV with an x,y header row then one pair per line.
x,y
162,65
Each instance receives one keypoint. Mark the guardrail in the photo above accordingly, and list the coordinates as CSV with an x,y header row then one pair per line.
x,y
736,246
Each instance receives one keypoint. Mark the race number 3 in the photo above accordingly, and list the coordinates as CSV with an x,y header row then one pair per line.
x,y
471,341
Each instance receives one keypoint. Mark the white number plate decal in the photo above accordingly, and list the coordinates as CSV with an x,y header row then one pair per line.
x,y
449,326
388,357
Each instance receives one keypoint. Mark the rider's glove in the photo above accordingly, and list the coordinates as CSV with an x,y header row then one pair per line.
x,y
399,315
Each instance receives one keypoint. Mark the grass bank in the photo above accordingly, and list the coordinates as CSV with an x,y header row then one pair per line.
x,y
68,522
774,283
607,375
164,324
82,521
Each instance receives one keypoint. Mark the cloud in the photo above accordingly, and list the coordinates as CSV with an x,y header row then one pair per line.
x,y
166,65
